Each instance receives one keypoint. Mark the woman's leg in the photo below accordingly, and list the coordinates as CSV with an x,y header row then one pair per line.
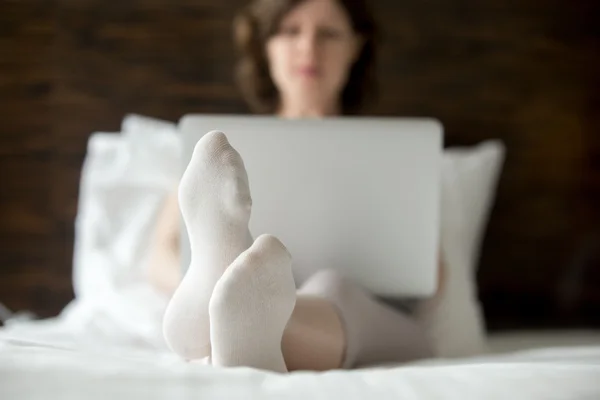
x,y
314,338
333,324
338,324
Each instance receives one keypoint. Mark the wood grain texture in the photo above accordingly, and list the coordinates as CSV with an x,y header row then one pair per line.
x,y
524,72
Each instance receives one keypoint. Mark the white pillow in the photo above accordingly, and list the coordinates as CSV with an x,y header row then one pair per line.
x,y
124,180
454,320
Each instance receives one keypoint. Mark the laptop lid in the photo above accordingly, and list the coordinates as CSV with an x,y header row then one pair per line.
x,y
359,195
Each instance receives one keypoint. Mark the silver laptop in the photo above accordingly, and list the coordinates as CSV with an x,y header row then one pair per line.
x,y
358,195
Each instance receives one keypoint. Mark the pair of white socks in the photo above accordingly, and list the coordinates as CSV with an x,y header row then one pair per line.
x,y
238,294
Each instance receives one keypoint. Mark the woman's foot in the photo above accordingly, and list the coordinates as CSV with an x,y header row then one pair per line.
x,y
250,307
214,198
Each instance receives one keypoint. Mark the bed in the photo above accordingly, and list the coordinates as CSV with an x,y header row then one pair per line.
x,y
108,341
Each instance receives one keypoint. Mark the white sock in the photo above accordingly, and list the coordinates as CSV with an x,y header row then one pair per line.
x,y
250,308
214,198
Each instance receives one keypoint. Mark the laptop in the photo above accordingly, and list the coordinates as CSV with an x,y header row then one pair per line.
x,y
358,195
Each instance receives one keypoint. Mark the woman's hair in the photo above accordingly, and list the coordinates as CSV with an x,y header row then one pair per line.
x,y
260,20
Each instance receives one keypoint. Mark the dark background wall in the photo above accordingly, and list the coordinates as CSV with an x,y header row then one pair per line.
x,y
523,71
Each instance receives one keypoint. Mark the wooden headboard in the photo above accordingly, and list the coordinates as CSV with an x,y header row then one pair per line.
x,y
525,72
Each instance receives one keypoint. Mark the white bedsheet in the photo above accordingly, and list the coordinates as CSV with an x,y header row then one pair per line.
x,y
30,370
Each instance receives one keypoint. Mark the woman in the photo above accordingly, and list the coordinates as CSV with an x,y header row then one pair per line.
x,y
237,302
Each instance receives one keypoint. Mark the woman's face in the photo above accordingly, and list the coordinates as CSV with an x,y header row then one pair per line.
x,y
311,54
